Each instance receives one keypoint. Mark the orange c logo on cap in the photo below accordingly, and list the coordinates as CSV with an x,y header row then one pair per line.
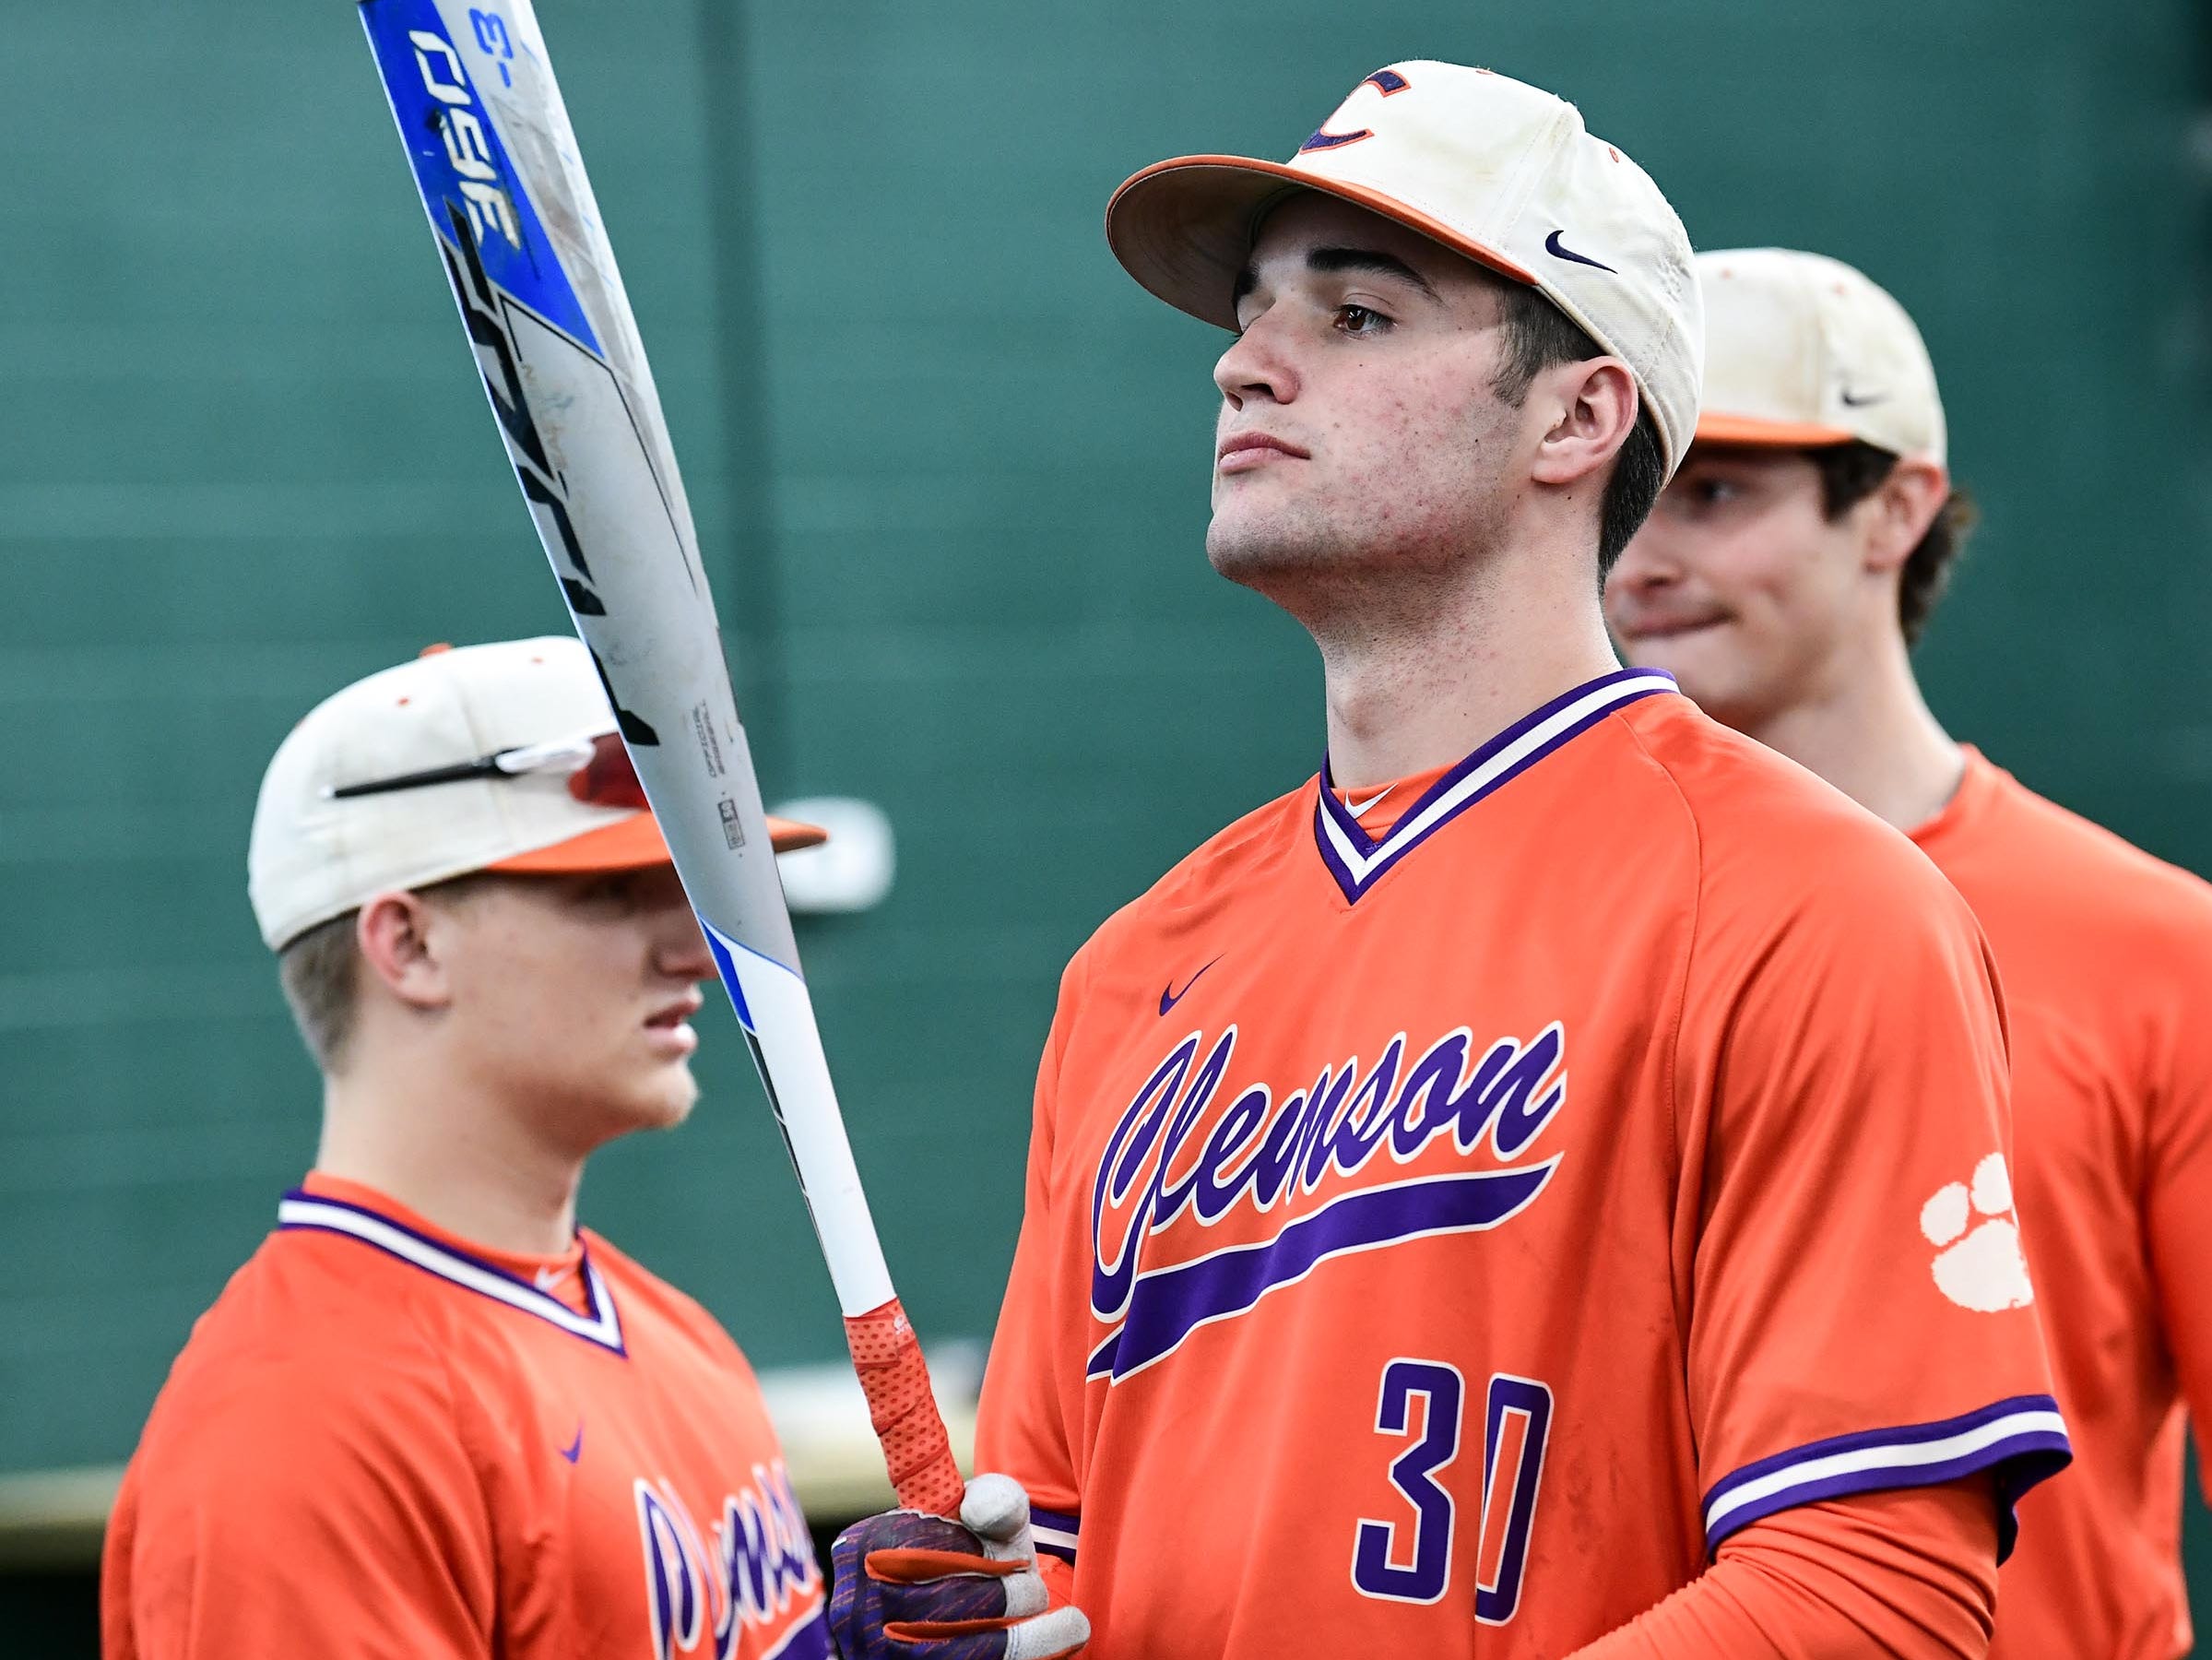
x,y
1386,81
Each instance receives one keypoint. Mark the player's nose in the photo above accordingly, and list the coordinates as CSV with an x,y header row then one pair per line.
x,y
680,947
1256,366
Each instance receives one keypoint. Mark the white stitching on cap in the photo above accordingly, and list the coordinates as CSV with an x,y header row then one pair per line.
x,y
1524,187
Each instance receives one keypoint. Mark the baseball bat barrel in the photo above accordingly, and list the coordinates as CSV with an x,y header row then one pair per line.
x,y
519,233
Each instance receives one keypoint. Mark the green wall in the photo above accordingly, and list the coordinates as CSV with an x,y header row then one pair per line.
x,y
950,467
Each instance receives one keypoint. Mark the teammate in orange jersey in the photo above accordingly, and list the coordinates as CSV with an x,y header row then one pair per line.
x,y
1475,1202
1784,579
432,1417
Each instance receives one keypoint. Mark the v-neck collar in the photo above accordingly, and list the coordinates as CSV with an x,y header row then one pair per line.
x,y
598,1324
1358,860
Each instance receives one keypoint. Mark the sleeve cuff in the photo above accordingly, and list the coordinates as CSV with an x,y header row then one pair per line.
x,y
1054,1532
2022,1439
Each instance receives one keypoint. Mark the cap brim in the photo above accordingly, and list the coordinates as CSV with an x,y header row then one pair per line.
x,y
1754,433
635,844
787,835
1183,228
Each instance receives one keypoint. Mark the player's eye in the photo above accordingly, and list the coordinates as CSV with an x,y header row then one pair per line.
x,y
609,892
1360,320
1716,493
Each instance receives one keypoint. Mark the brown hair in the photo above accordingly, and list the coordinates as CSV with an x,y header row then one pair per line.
x,y
1537,335
1852,471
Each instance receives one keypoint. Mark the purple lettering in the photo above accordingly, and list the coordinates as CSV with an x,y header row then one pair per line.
x,y
1269,1152
672,1588
1355,1136
1278,1156
1245,1116
1110,1282
1516,1122
1417,1118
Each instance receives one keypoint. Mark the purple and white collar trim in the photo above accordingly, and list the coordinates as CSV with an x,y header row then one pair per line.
x,y
1358,861
300,1209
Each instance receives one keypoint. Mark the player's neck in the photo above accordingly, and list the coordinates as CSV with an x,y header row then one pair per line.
x,y
1870,734
1416,685
450,1157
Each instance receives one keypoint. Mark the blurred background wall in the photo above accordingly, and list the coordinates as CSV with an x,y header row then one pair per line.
x,y
949,469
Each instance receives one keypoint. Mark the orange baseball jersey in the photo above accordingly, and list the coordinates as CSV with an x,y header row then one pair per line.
x,y
1449,1220
2106,955
382,1441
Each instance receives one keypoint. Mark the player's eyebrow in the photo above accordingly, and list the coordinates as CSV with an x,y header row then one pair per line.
x,y
1329,261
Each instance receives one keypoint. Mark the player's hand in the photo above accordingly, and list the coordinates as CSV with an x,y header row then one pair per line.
x,y
916,1587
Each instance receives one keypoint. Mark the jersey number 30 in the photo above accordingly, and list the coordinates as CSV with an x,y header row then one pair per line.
x,y
1409,1559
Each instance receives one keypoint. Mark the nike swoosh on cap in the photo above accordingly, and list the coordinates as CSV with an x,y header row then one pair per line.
x,y
1559,250
1851,400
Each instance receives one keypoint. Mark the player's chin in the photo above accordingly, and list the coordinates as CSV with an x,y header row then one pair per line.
x,y
1707,672
1250,547
1692,655
661,1096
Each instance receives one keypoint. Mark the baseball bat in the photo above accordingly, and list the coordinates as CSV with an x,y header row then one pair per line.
x,y
519,234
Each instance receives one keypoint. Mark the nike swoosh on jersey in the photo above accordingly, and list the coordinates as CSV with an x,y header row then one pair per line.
x,y
1359,810
575,1449
1169,996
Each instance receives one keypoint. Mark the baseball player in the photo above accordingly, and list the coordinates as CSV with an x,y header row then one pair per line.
x,y
1783,579
1475,1202
432,1417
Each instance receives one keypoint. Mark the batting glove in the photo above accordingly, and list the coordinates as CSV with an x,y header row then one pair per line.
x,y
911,1587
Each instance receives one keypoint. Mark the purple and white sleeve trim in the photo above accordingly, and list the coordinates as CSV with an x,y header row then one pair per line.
x,y
2022,1440
1054,1532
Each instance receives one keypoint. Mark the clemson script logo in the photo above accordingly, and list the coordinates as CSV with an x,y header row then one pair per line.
x,y
1311,1158
750,1572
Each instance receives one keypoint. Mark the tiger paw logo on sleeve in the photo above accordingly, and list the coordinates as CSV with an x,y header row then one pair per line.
x,y
1980,1264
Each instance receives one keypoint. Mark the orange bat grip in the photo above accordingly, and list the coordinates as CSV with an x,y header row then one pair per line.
x,y
895,1378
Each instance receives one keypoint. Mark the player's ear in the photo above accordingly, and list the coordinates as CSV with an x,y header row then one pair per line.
x,y
1901,509
395,934
1590,408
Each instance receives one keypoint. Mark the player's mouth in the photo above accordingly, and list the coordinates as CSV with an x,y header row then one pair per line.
x,y
670,1024
1241,452
1662,626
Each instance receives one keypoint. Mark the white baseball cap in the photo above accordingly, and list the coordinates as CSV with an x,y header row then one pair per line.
x,y
1493,169
1802,352
499,757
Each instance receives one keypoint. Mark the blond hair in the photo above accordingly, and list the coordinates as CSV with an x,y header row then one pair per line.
x,y
317,971
320,971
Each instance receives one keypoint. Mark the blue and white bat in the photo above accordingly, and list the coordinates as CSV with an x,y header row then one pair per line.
x,y
520,236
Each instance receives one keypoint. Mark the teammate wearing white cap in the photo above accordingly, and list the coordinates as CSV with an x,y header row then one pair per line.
x,y
1787,571
1464,1208
432,1417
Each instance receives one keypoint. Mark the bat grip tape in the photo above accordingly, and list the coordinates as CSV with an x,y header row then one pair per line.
x,y
902,1408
